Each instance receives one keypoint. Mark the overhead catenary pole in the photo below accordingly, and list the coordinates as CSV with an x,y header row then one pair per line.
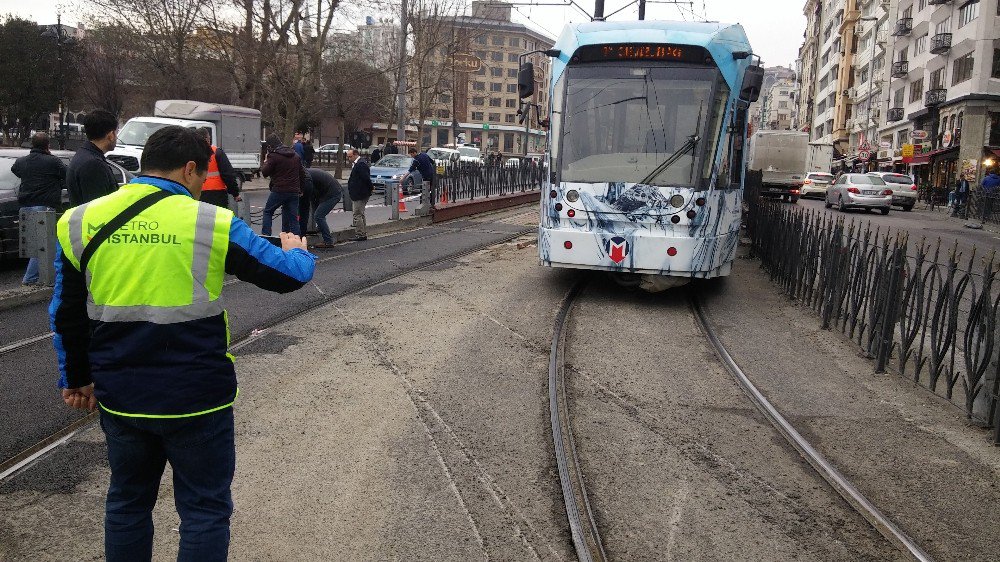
x,y
401,76
598,9
642,9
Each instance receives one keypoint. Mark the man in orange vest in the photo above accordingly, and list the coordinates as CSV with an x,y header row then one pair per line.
x,y
221,181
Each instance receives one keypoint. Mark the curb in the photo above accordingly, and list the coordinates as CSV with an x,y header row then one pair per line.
x,y
15,300
484,205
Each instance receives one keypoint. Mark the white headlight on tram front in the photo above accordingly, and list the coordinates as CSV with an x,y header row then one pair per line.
x,y
572,196
677,201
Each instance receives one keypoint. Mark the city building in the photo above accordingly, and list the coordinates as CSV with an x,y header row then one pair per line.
x,y
944,89
479,103
867,94
807,66
778,82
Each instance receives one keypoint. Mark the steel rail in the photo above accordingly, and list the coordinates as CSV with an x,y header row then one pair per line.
x,y
885,526
582,525
15,464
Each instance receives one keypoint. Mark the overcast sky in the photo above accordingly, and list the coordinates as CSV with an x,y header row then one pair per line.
x,y
774,26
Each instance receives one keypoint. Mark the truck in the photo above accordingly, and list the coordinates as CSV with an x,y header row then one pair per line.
x,y
820,157
781,157
234,129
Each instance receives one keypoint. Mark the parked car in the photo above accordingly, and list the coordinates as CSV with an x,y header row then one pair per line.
x,y
904,189
333,148
816,184
9,184
860,191
392,170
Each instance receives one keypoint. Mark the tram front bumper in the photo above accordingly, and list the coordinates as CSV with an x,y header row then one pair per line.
x,y
648,253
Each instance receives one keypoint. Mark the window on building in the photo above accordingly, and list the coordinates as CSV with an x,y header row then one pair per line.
x,y
496,72
496,56
879,62
511,57
481,71
996,63
897,97
937,79
481,54
920,45
494,117
479,86
481,40
821,106
478,100
496,87
443,113
511,88
903,137
509,118
901,54
908,12
515,42
782,104
921,5
916,90
944,26
968,12
444,98
819,131
498,41
511,103
961,69
511,73
495,102
477,115
508,142
863,75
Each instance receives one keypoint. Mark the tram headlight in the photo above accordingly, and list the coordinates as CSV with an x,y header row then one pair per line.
x,y
572,196
677,201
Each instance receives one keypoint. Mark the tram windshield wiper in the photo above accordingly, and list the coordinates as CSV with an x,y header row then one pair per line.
x,y
688,145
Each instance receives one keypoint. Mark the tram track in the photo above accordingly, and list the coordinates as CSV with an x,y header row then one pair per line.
x,y
19,461
586,536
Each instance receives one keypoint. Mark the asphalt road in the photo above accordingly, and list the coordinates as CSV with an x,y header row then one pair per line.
x,y
28,375
920,224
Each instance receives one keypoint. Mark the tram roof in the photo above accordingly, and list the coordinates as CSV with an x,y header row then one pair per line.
x,y
720,39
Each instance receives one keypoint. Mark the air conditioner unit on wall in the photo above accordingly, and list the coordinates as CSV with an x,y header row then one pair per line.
x,y
885,153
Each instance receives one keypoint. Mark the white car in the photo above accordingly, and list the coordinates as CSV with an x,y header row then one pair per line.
x,y
860,191
815,185
904,189
333,148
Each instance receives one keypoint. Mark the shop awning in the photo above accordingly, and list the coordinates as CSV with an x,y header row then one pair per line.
x,y
995,151
926,158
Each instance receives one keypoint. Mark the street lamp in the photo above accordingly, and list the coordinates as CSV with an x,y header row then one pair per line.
x,y
62,38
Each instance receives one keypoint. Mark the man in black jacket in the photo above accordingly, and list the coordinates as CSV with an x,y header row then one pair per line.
x,y
287,174
42,179
89,175
360,188
326,193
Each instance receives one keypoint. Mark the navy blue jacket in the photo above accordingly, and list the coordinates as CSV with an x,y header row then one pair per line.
x,y
163,369
42,179
89,175
423,164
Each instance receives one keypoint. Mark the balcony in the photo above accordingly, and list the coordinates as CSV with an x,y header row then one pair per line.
x,y
941,43
938,2
935,97
903,27
900,68
895,114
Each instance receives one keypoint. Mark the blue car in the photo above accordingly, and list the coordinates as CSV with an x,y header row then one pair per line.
x,y
390,171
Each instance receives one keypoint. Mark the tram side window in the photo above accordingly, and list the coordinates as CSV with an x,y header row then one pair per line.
x,y
731,167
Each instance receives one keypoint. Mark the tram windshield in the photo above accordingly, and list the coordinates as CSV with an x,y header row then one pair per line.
x,y
646,124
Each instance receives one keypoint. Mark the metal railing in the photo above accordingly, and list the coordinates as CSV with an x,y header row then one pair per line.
x,y
900,68
468,181
922,309
895,114
903,27
935,96
941,43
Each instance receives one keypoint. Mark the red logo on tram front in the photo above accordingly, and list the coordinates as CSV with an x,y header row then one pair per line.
x,y
617,249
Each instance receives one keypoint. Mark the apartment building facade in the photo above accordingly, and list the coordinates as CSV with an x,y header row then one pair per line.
x,y
944,89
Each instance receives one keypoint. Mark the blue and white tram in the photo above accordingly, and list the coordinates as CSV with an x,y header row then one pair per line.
x,y
645,149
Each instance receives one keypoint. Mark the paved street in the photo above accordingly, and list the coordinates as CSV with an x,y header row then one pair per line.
x,y
410,420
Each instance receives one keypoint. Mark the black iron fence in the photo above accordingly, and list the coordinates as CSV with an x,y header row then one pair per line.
x,y
468,181
921,309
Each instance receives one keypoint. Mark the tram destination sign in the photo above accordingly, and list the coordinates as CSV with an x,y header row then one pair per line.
x,y
642,52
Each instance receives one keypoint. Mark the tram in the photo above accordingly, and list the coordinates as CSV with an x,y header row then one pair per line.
x,y
645,150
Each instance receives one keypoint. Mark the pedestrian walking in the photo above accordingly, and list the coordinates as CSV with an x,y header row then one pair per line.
x,y
376,155
299,147
422,168
326,193
990,190
222,180
961,194
308,152
286,172
360,188
141,335
42,178
89,175
391,148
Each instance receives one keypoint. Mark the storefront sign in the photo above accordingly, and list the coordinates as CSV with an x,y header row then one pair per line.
x,y
885,144
466,62
918,134
946,138
907,153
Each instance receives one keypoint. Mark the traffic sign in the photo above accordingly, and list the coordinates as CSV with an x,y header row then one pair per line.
x,y
864,146
863,155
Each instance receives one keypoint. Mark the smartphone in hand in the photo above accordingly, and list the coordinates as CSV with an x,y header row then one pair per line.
x,y
273,240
